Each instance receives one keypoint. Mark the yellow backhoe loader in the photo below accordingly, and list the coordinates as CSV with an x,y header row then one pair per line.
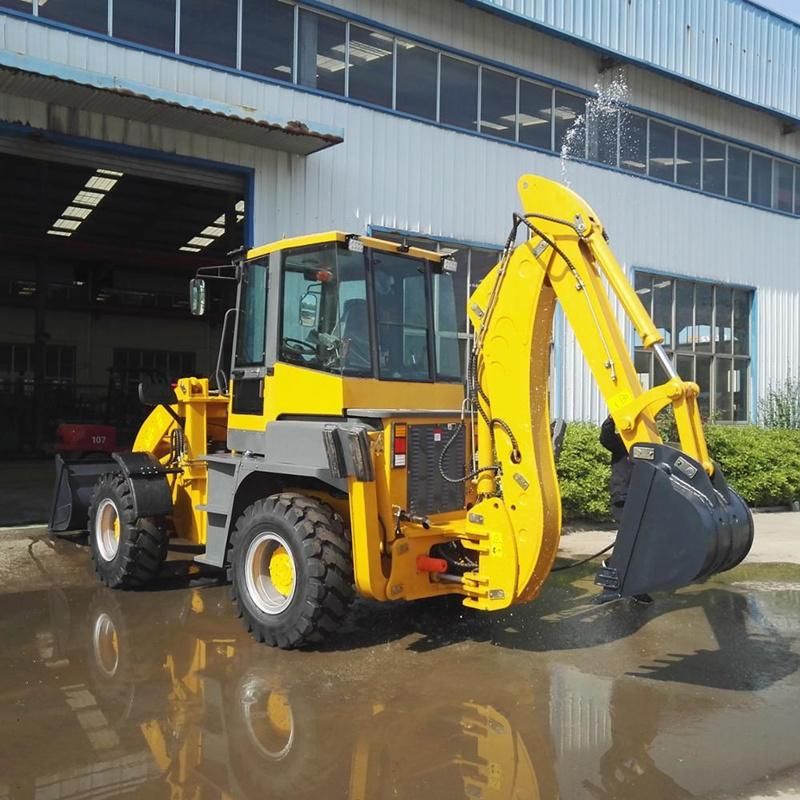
x,y
341,452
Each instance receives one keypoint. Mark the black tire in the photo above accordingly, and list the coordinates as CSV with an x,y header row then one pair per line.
x,y
322,589
142,543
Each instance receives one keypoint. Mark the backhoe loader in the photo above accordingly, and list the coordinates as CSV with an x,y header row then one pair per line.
x,y
341,453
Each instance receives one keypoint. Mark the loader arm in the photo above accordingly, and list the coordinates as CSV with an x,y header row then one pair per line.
x,y
566,259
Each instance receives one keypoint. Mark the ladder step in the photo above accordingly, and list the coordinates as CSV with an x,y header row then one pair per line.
x,y
209,509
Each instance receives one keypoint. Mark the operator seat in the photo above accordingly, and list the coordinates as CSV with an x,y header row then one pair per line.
x,y
355,333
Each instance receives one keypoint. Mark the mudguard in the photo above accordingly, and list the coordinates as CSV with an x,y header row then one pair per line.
x,y
679,526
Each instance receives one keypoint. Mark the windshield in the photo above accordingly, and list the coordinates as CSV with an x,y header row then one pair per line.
x,y
329,323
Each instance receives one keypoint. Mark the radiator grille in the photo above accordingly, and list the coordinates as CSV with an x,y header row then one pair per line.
x,y
428,491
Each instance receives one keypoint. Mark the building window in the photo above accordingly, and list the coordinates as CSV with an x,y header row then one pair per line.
x,y
570,138
784,186
321,57
458,93
91,15
148,22
687,162
268,38
633,142
706,331
498,104
738,173
761,180
132,362
536,115
25,6
208,30
661,151
602,132
18,366
371,70
417,69
713,166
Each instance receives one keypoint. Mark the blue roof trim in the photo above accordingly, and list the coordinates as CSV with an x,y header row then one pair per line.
x,y
760,80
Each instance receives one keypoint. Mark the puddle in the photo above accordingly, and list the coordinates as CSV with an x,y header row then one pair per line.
x,y
162,693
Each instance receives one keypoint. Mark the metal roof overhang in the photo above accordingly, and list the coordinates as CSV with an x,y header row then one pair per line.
x,y
23,76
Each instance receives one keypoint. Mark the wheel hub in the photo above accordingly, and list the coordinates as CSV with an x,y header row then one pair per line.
x,y
270,572
107,529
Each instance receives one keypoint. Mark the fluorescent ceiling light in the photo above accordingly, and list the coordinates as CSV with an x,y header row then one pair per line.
x,y
88,198
188,249
493,125
213,230
54,232
662,284
366,52
283,68
240,205
329,64
76,211
669,162
200,241
67,224
634,164
527,120
100,183
111,172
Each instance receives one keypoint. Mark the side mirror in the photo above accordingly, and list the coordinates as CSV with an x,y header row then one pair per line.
x,y
197,296
309,303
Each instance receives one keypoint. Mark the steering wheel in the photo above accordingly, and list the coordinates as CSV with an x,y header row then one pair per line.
x,y
303,348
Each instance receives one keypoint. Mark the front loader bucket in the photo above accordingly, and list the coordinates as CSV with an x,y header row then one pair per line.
x,y
75,482
679,526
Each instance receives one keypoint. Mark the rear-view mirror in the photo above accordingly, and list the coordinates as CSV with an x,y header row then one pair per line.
x,y
309,303
197,296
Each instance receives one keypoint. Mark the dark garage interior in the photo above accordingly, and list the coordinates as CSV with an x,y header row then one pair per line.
x,y
96,258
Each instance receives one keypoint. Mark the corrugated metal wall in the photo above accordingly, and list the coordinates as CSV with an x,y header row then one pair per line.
x,y
730,46
402,174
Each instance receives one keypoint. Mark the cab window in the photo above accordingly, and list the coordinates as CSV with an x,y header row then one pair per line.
x,y
325,324
401,312
250,344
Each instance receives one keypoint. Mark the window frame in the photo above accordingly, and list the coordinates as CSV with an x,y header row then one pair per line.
x,y
714,355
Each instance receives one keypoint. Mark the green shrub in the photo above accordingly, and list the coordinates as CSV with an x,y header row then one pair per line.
x,y
584,470
761,464
781,406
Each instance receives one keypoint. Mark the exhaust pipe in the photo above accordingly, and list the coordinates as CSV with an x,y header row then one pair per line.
x,y
679,526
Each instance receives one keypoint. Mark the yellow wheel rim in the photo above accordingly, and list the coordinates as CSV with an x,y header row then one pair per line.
x,y
279,712
116,527
281,570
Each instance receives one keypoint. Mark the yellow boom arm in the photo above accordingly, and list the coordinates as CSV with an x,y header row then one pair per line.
x,y
566,258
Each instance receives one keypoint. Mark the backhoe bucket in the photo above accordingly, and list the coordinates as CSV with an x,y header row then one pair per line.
x,y
75,482
679,526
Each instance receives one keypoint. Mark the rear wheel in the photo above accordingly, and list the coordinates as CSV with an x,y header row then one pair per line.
x,y
127,552
292,571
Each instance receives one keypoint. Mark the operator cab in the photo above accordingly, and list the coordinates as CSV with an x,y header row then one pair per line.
x,y
357,307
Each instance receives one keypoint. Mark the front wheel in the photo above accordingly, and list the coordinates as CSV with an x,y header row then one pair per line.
x,y
292,571
127,552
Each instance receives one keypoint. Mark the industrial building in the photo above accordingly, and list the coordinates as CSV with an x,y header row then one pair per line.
x,y
140,139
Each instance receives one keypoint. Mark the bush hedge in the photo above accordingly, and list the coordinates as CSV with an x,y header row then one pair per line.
x,y
762,464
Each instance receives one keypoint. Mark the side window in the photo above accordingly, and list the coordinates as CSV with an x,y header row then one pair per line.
x,y
251,337
402,317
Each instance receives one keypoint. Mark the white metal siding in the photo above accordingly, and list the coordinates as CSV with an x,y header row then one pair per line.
x,y
730,46
403,174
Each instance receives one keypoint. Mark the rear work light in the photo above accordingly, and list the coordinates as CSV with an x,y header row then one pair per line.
x,y
399,444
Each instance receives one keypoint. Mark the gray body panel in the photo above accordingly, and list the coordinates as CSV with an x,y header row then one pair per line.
x,y
286,447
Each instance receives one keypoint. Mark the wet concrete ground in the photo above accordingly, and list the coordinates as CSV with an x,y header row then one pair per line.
x,y
161,693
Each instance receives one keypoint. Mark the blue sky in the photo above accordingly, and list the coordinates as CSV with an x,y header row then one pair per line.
x,y
789,8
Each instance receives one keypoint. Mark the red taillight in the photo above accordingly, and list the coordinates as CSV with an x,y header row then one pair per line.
x,y
399,444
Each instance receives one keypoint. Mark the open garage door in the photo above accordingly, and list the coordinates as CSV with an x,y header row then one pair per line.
x,y
96,249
